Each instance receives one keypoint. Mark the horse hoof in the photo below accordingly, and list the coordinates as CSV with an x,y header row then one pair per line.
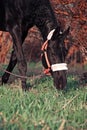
x,y
4,80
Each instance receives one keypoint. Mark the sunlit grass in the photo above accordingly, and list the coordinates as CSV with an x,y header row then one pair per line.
x,y
43,107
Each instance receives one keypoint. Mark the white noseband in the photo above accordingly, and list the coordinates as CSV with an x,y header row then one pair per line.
x,y
59,67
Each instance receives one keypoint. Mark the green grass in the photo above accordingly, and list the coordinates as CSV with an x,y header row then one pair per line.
x,y
43,107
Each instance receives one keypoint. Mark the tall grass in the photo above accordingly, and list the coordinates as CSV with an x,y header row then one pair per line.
x,y
43,107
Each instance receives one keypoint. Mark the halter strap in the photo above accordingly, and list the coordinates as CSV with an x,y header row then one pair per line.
x,y
53,67
50,35
43,49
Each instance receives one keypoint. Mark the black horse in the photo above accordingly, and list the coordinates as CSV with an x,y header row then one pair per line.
x,y
17,17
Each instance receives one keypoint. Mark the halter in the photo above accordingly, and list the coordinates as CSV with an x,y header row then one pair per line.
x,y
53,67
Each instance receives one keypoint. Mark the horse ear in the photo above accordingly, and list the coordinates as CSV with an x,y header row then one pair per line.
x,y
58,33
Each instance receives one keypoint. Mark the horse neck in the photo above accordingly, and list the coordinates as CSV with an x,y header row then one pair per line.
x,y
46,23
47,28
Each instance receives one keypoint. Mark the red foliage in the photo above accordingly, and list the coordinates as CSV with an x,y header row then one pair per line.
x,y
73,13
5,45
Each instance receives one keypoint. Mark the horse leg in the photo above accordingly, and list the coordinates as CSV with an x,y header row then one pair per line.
x,y
17,43
12,63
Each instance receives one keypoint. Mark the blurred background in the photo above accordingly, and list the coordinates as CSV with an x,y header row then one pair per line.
x,y
71,13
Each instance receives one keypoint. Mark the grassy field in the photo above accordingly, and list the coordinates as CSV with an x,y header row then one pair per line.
x,y
43,107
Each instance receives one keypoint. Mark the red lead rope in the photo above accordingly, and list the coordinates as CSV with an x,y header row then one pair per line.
x,y
44,48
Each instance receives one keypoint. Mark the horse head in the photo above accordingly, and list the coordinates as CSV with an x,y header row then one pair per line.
x,y
54,60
